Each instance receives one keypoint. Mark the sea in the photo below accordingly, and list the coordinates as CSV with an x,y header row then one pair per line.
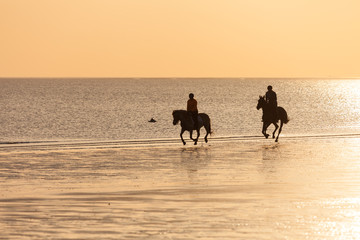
x,y
79,159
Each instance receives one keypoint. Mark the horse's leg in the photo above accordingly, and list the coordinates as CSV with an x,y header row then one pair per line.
x,y
207,133
265,126
191,133
281,125
276,127
181,133
198,135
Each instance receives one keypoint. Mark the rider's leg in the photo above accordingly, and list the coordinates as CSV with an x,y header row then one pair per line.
x,y
196,120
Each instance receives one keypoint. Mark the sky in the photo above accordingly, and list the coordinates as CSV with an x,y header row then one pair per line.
x,y
180,38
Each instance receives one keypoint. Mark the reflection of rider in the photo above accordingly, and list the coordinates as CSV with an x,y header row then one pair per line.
x,y
192,109
271,99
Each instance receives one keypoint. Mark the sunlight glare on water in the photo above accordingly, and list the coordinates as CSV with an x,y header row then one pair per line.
x,y
112,109
305,188
79,160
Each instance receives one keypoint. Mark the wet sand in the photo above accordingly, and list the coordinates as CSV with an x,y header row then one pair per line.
x,y
231,188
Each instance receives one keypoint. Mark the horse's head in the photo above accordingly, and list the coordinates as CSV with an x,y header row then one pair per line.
x,y
261,102
176,117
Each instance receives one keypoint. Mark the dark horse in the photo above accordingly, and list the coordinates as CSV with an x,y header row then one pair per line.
x,y
187,124
268,117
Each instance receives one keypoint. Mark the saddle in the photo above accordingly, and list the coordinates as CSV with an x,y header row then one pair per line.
x,y
200,121
270,116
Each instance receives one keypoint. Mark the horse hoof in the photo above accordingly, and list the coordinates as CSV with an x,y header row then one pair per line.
x,y
206,140
273,136
267,136
277,140
195,143
184,143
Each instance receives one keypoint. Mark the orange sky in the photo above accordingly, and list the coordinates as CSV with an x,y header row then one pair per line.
x,y
173,38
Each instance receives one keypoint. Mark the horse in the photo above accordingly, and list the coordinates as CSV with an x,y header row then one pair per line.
x,y
268,117
187,124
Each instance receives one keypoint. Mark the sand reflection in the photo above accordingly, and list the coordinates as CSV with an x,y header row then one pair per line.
x,y
296,189
192,160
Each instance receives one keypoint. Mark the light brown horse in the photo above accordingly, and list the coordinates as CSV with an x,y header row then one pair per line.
x,y
268,117
187,124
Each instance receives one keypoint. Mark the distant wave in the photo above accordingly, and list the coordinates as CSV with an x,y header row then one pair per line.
x,y
26,142
6,146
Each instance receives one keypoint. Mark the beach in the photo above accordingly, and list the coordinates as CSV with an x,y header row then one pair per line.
x,y
232,188
97,96
79,160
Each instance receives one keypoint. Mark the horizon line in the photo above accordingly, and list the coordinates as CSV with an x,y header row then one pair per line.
x,y
180,77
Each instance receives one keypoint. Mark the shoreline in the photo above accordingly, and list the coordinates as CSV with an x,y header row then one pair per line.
x,y
39,145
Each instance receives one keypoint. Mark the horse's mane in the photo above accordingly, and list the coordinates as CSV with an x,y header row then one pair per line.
x,y
182,111
179,111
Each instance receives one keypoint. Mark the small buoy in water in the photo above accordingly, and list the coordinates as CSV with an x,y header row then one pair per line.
x,y
152,120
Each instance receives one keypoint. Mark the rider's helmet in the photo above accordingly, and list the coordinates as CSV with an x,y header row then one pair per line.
x,y
269,87
191,95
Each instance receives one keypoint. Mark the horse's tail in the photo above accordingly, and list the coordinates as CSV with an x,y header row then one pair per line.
x,y
211,132
206,122
284,116
286,119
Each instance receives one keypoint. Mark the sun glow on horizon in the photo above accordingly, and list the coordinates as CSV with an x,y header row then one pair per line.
x,y
205,38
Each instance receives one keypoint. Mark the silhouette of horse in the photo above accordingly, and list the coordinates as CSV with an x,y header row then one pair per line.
x,y
187,124
269,118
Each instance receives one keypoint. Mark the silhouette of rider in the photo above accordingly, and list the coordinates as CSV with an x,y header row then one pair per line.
x,y
271,99
192,109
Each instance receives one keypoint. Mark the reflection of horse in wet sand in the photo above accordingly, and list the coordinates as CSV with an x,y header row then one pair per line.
x,y
187,124
268,117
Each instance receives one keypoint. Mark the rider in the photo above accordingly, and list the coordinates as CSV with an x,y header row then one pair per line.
x,y
192,109
271,99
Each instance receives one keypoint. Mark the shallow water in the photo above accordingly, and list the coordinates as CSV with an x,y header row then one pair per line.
x,y
79,160
301,188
